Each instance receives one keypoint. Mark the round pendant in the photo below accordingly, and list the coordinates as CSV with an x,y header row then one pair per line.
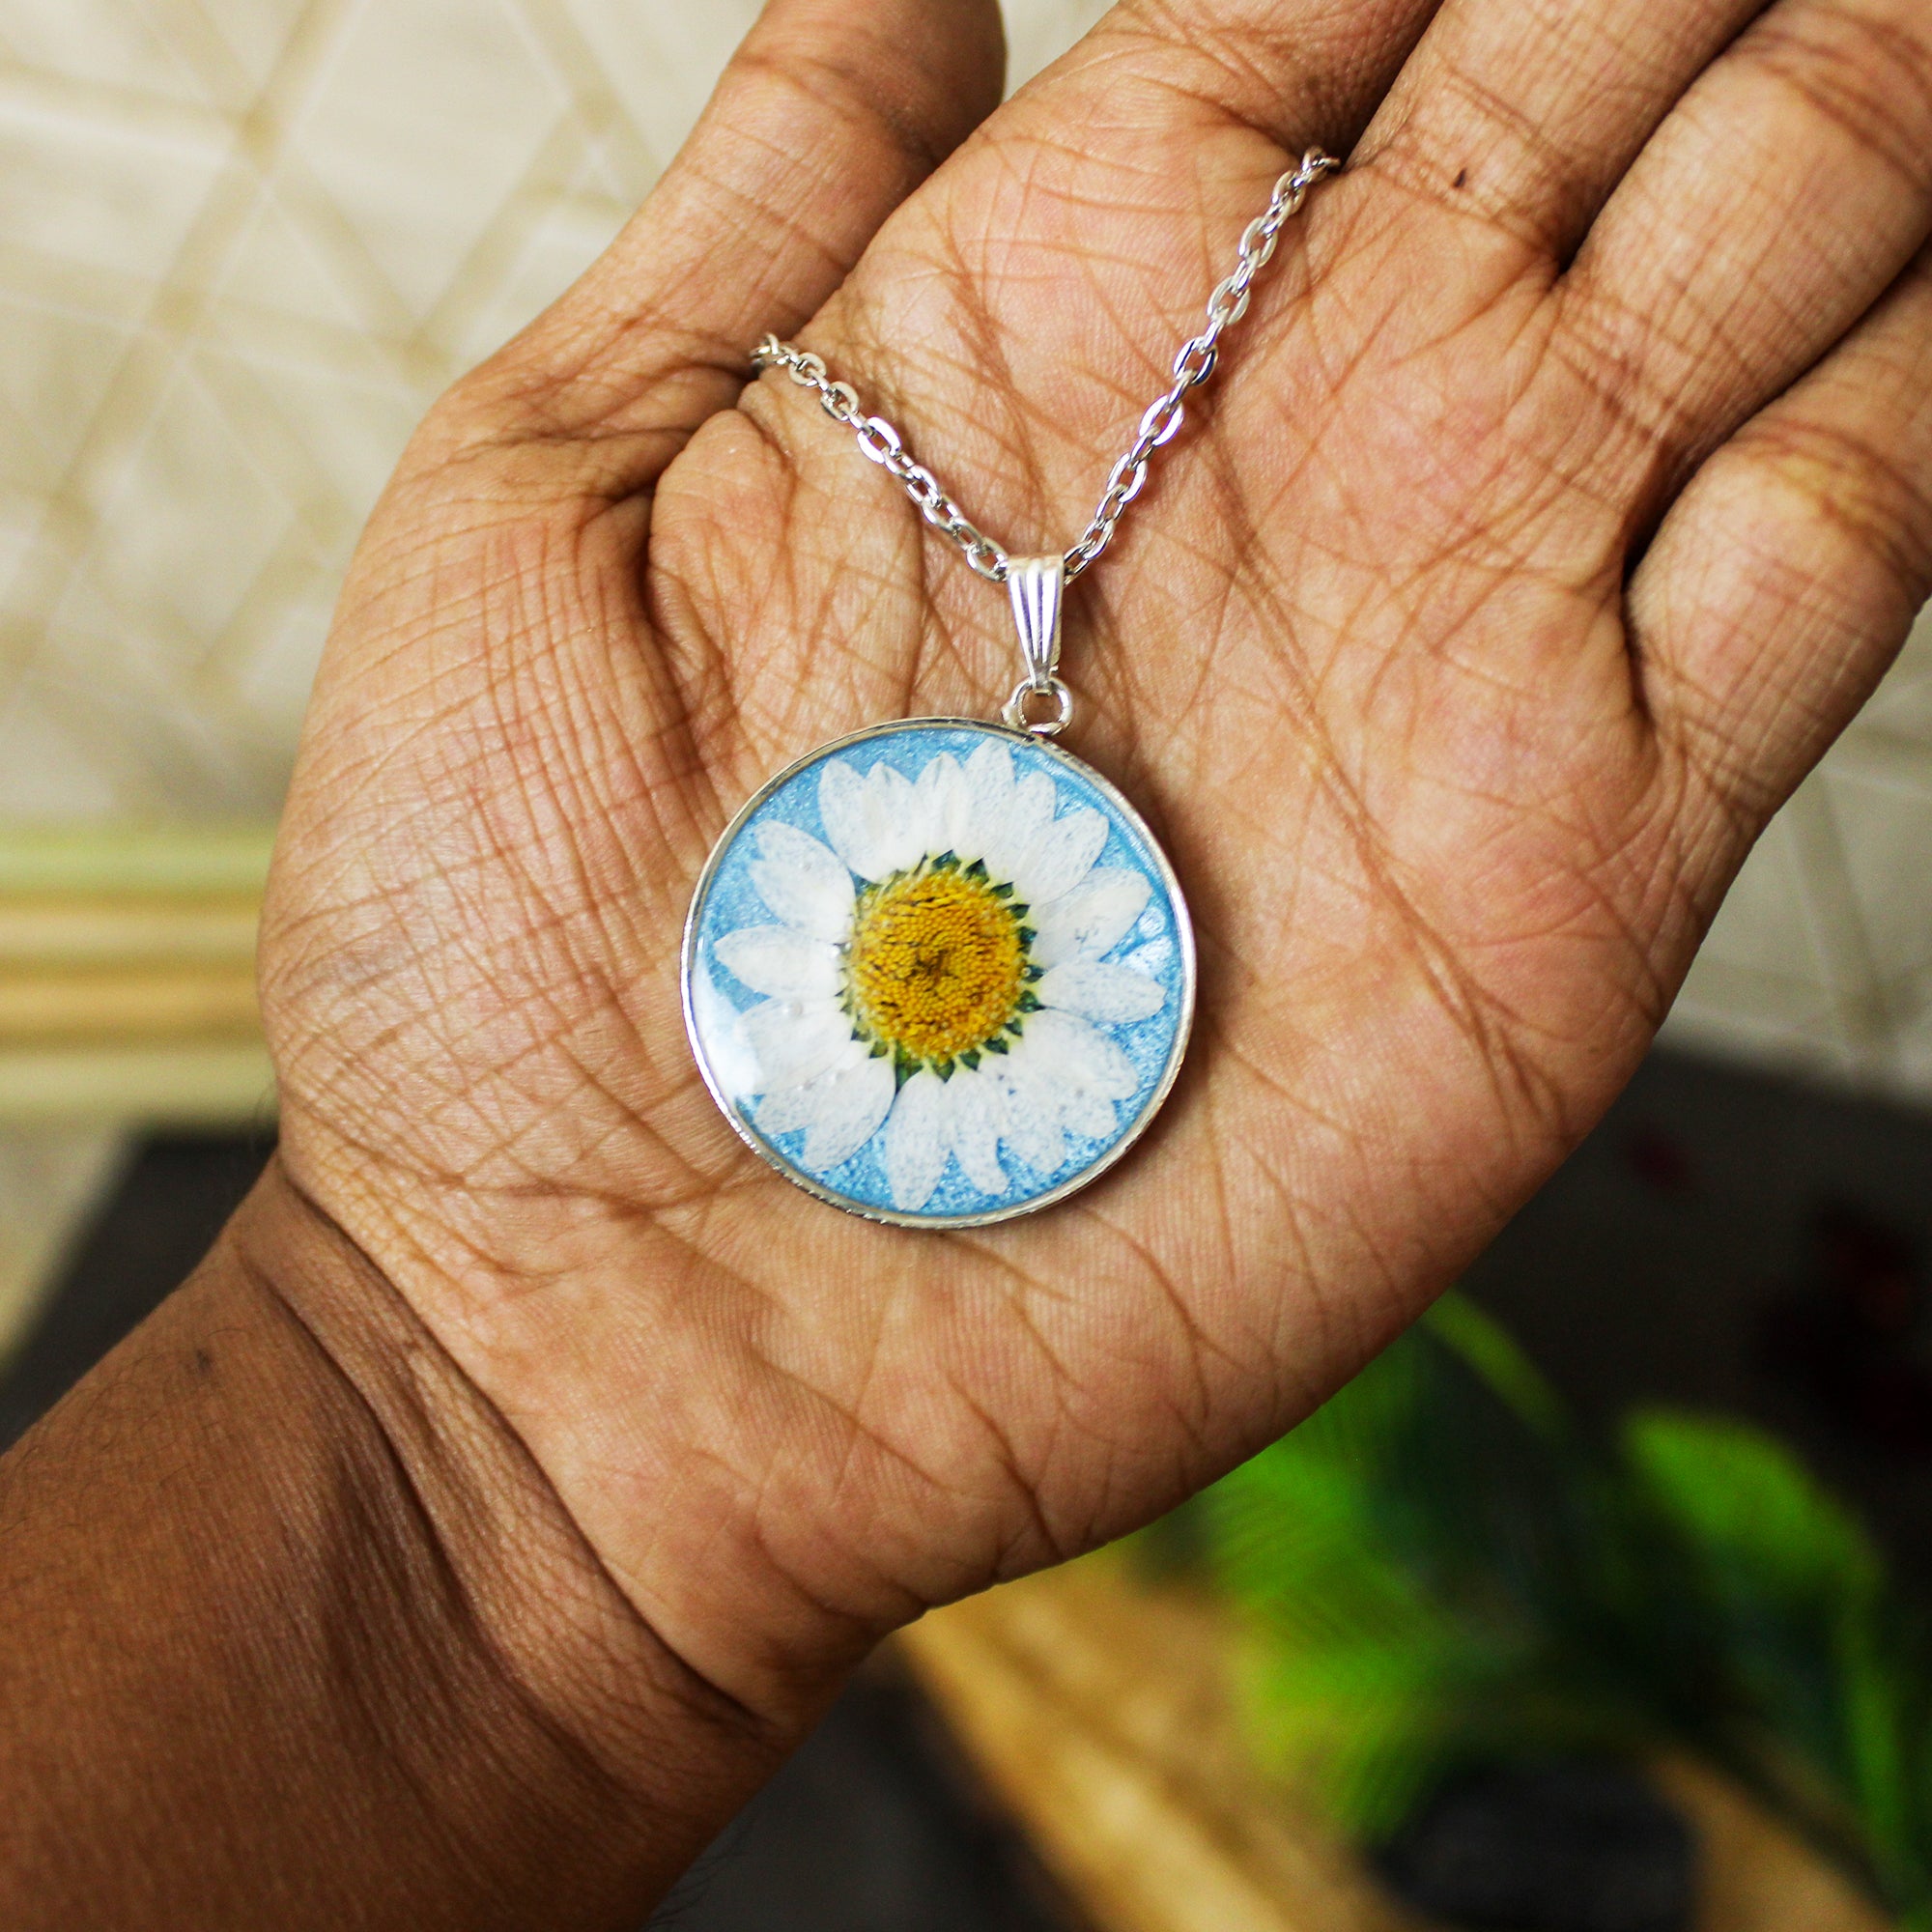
x,y
939,973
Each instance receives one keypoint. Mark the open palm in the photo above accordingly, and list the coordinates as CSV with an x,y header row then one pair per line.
x,y
1564,491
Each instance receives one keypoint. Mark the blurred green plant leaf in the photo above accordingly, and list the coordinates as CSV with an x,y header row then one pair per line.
x,y
1437,1570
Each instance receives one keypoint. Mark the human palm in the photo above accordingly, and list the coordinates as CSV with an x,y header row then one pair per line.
x,y
1561,497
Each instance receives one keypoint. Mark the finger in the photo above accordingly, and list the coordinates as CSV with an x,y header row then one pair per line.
x,y
1786,576
1120,180
1122,177
1523,119
1293,72
829,114
1770,210
1013,321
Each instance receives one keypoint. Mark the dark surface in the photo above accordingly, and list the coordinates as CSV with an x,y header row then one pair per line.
x,y
873,1827
1565,1847
1732,1243
145,1240
1722,1240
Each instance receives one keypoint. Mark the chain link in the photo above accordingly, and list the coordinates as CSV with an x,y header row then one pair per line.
x,y
1193,365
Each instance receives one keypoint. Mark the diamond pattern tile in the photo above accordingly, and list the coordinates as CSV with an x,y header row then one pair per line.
x,y
1821,959
243,243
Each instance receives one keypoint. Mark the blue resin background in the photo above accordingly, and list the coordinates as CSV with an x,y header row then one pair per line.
x,y
730,900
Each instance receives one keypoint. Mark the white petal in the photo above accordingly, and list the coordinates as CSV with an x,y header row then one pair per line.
x,y
856,1100
1113,995
978,1114
1092,919
1064,856
1060,1076
1031,1108
944,801
720,1028
785,1113
1088,1114
841,1109
841,805
1076,1057
791,1108
900,819
1010,842
806,885
781,962
795,1041
990,797
918,1137
865,818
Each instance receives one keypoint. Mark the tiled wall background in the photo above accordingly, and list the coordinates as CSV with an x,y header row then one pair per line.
x,y
244,241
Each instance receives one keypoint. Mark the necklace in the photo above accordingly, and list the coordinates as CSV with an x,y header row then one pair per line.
x,y
938,971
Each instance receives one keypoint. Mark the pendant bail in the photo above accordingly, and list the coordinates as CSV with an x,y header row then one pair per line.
x,y
1038,587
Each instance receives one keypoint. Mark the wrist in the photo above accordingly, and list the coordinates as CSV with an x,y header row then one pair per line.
x,y
564,1712
294,1636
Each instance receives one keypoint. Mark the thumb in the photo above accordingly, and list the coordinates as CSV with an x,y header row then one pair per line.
x,y
829,115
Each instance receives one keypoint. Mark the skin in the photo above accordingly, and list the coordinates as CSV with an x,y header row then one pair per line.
x,y
530,1464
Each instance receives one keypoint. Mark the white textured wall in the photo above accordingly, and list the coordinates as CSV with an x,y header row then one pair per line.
x,y
242,244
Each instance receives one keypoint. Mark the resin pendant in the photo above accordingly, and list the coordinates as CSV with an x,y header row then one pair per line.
x,y
939,974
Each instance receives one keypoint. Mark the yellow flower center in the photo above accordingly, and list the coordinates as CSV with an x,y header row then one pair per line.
x,y
936,968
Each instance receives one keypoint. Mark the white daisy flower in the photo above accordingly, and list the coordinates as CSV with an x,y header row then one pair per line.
x,y
939,975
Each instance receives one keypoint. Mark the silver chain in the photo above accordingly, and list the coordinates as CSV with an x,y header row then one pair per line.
x,y
879,441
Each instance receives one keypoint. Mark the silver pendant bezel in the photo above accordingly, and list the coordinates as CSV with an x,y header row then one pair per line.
x,y
1184,927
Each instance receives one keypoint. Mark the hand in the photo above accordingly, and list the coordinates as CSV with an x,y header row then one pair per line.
x,y
1567,489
